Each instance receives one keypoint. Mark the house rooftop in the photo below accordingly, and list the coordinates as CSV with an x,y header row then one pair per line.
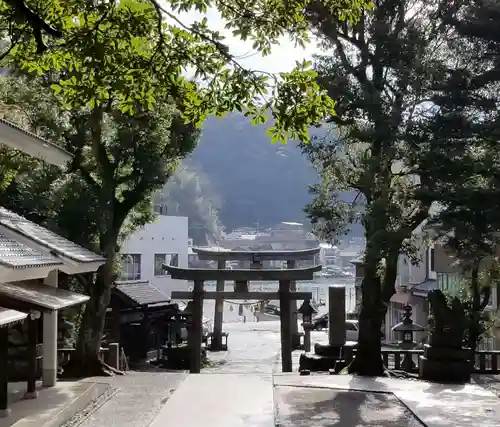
x,y
140,292
15,136
30,295
57,245
422,289
14,254
8,317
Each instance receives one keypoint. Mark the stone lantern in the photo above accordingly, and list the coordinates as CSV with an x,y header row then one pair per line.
x,y
307,311
405,330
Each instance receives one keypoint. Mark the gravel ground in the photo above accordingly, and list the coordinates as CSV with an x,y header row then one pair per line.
x,y
134,401
304,407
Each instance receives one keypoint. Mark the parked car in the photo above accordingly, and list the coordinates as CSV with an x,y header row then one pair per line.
x,y
351,327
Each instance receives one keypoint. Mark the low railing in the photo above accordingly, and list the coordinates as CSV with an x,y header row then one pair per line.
x,y
486,360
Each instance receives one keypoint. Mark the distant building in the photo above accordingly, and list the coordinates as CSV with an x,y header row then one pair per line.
x,y
285,236
164,241
328,254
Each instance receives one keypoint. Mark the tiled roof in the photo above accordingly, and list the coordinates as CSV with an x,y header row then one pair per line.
x,y
7,317
44,237
40,296
32,135
141,292
16,255
425,287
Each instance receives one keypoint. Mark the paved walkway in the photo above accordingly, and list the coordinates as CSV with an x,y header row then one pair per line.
x,y
254,347
138,398
243,388
435,405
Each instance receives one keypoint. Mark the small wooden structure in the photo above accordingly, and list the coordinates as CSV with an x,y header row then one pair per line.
x,y
241,277
138,317
7,319
31,258
28,301
256,259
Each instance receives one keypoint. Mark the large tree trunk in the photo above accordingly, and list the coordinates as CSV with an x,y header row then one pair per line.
x,y
375,296
368,360
86,360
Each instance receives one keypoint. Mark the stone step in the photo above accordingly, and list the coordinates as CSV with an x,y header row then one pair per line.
x,y
58,404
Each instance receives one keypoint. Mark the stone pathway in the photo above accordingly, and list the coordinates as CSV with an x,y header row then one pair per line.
x,y
138,398
434,405
254,348
304,407
244,388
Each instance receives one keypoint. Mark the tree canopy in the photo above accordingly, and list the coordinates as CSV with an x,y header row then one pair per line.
x,y
381,70
416,137
135,51
120,160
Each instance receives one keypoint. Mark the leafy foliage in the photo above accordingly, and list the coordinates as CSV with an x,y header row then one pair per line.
x,y
479,321
381,70
119,162
135,52
464,157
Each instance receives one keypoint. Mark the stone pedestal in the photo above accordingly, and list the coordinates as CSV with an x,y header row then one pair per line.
x,y
443,364
329,356
315,363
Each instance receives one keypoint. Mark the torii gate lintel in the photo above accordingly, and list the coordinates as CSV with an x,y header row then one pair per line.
x,y
284,294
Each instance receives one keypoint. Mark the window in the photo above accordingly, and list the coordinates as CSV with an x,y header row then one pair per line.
x,y
449,282
131,267
173,260
431,262
159,261
161,209
168,259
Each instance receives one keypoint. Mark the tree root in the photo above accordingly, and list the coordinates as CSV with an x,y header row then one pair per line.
x,y
95,368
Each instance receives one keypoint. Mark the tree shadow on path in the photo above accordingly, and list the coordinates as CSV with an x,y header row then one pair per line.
x,y
316,407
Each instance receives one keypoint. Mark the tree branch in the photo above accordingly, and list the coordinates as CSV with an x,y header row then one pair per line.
x,y
35,21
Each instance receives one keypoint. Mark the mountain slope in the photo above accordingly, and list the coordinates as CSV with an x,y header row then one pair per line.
x,y
257,182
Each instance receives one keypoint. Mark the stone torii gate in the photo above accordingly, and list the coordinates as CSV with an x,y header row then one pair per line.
x,y
285,296
256,259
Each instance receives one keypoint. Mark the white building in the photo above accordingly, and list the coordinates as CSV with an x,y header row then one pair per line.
x,y
164,241
328,254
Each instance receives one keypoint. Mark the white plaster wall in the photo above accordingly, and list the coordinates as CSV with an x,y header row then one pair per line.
x,y
168,234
